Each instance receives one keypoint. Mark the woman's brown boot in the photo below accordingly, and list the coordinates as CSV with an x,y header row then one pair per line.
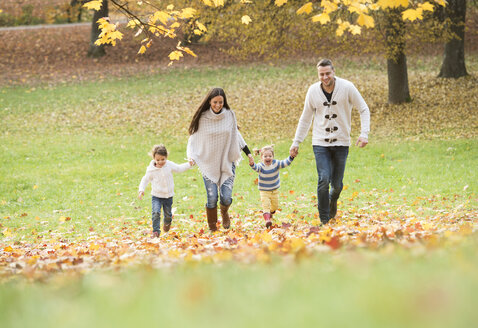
x,y
212,218
226,221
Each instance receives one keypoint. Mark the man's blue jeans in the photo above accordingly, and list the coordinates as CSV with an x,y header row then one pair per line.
x,y
166,204
330,163
225,191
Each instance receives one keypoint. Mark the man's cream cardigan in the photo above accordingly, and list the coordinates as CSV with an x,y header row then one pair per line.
x,y
332,120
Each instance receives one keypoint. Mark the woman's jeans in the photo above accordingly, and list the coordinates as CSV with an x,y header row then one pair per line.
x,y
166,204
225,191
330,163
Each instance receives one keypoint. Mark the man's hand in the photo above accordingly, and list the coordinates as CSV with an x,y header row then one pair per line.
x,y
361,142
293,151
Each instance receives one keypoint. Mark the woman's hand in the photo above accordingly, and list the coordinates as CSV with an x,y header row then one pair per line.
x,y
191,162
251,159
141,194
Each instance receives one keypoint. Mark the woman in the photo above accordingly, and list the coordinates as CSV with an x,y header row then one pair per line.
x,y
215,145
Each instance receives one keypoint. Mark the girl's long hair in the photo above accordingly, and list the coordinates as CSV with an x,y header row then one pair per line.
x,y
204,106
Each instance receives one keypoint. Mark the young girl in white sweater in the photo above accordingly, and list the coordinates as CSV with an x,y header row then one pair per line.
x,y
160,174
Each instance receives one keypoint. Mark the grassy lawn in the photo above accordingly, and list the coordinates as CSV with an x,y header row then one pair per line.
x,y
72,157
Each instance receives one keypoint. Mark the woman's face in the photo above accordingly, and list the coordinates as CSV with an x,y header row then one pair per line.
x,y
217,103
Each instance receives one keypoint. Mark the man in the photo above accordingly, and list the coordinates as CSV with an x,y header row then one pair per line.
x,y
329,104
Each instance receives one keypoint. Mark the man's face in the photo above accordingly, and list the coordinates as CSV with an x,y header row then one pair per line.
x,y
326,75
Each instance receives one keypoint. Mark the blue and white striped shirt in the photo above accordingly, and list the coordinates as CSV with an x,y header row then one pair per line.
x,y
269,174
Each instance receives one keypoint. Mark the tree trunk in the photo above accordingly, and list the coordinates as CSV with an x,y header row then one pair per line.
x,y
453,65
398,91
96,51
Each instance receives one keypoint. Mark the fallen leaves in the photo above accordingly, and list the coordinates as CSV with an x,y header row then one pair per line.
x,y
248,241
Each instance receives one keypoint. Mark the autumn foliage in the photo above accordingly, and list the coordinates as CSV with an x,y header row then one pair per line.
x,y
279,21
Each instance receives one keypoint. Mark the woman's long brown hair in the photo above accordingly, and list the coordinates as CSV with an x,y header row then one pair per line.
x,y
204,106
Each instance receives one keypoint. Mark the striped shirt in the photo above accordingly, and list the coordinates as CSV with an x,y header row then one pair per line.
x,y
269,174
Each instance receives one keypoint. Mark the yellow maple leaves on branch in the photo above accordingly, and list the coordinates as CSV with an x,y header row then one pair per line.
x,y
348,15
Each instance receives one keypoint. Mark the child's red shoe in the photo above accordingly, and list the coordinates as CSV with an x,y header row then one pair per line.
x,y
155,234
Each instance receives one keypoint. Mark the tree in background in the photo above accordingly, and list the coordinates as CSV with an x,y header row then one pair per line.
x,y
154,19
453,65
97,49
391,18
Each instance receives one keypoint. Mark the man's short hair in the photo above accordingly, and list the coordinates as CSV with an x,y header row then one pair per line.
x,y
325,62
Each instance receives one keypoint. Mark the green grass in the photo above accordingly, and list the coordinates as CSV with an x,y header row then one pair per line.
x,y
80,150
388,288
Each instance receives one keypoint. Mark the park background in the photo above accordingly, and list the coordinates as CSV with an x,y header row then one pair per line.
x,y
75,246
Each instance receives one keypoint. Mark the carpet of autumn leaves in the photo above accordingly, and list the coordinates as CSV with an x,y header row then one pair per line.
x,y
38,255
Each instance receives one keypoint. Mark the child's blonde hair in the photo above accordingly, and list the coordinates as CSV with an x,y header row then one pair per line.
x,y
159,150
264,149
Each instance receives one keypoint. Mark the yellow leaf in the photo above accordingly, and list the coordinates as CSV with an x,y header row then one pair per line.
x,y
427,6
218,3
280,2
403,3
412,14
133,23
175,55
246,19
170,7
365,20
187,13
207,3
374,6
116,35
392,3
201,26
441,2
328,6
355,29
142,50
162,16
35,187
7,232
322,18
307,9
95,5
8,249
94,247
188,51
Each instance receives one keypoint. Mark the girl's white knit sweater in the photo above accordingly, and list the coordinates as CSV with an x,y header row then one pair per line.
x,y
332,120
162,182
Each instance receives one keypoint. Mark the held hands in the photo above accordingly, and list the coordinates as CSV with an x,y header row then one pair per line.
x,y
251,159
140,195
191,162
361,142
293,151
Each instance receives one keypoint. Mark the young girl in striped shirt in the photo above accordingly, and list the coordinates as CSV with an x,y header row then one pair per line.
x,y
269,181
